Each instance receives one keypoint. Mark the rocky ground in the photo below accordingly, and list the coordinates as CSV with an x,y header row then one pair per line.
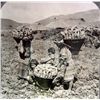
x,y
87,64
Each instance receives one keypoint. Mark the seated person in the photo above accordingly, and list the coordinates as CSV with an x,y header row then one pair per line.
x,y
51,57
33,64
30,76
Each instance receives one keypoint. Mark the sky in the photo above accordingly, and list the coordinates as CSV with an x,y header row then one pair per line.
x,y
29,12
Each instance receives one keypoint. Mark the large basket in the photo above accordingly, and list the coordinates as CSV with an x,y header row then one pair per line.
x,y
43,83
75,45
44,80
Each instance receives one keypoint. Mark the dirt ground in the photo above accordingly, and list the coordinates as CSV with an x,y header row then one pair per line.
x,y
87,63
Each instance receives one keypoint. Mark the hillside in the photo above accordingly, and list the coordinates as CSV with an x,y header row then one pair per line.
x,y
85,18
9,24
81,18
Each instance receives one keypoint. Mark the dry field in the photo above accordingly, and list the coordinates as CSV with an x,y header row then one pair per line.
x,y
87,63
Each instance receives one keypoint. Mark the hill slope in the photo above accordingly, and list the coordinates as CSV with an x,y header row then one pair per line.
x,y
9,24
86,18
81,18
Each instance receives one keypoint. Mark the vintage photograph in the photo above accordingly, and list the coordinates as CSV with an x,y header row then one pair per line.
x,y
50,50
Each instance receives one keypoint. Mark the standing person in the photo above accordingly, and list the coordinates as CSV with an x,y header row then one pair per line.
x,y
66,70
23,49
69,72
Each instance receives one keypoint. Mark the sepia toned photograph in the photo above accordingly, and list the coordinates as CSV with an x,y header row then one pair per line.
x,y
50,50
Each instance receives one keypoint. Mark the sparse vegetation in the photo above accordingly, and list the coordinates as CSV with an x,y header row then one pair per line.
x,y
87,64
